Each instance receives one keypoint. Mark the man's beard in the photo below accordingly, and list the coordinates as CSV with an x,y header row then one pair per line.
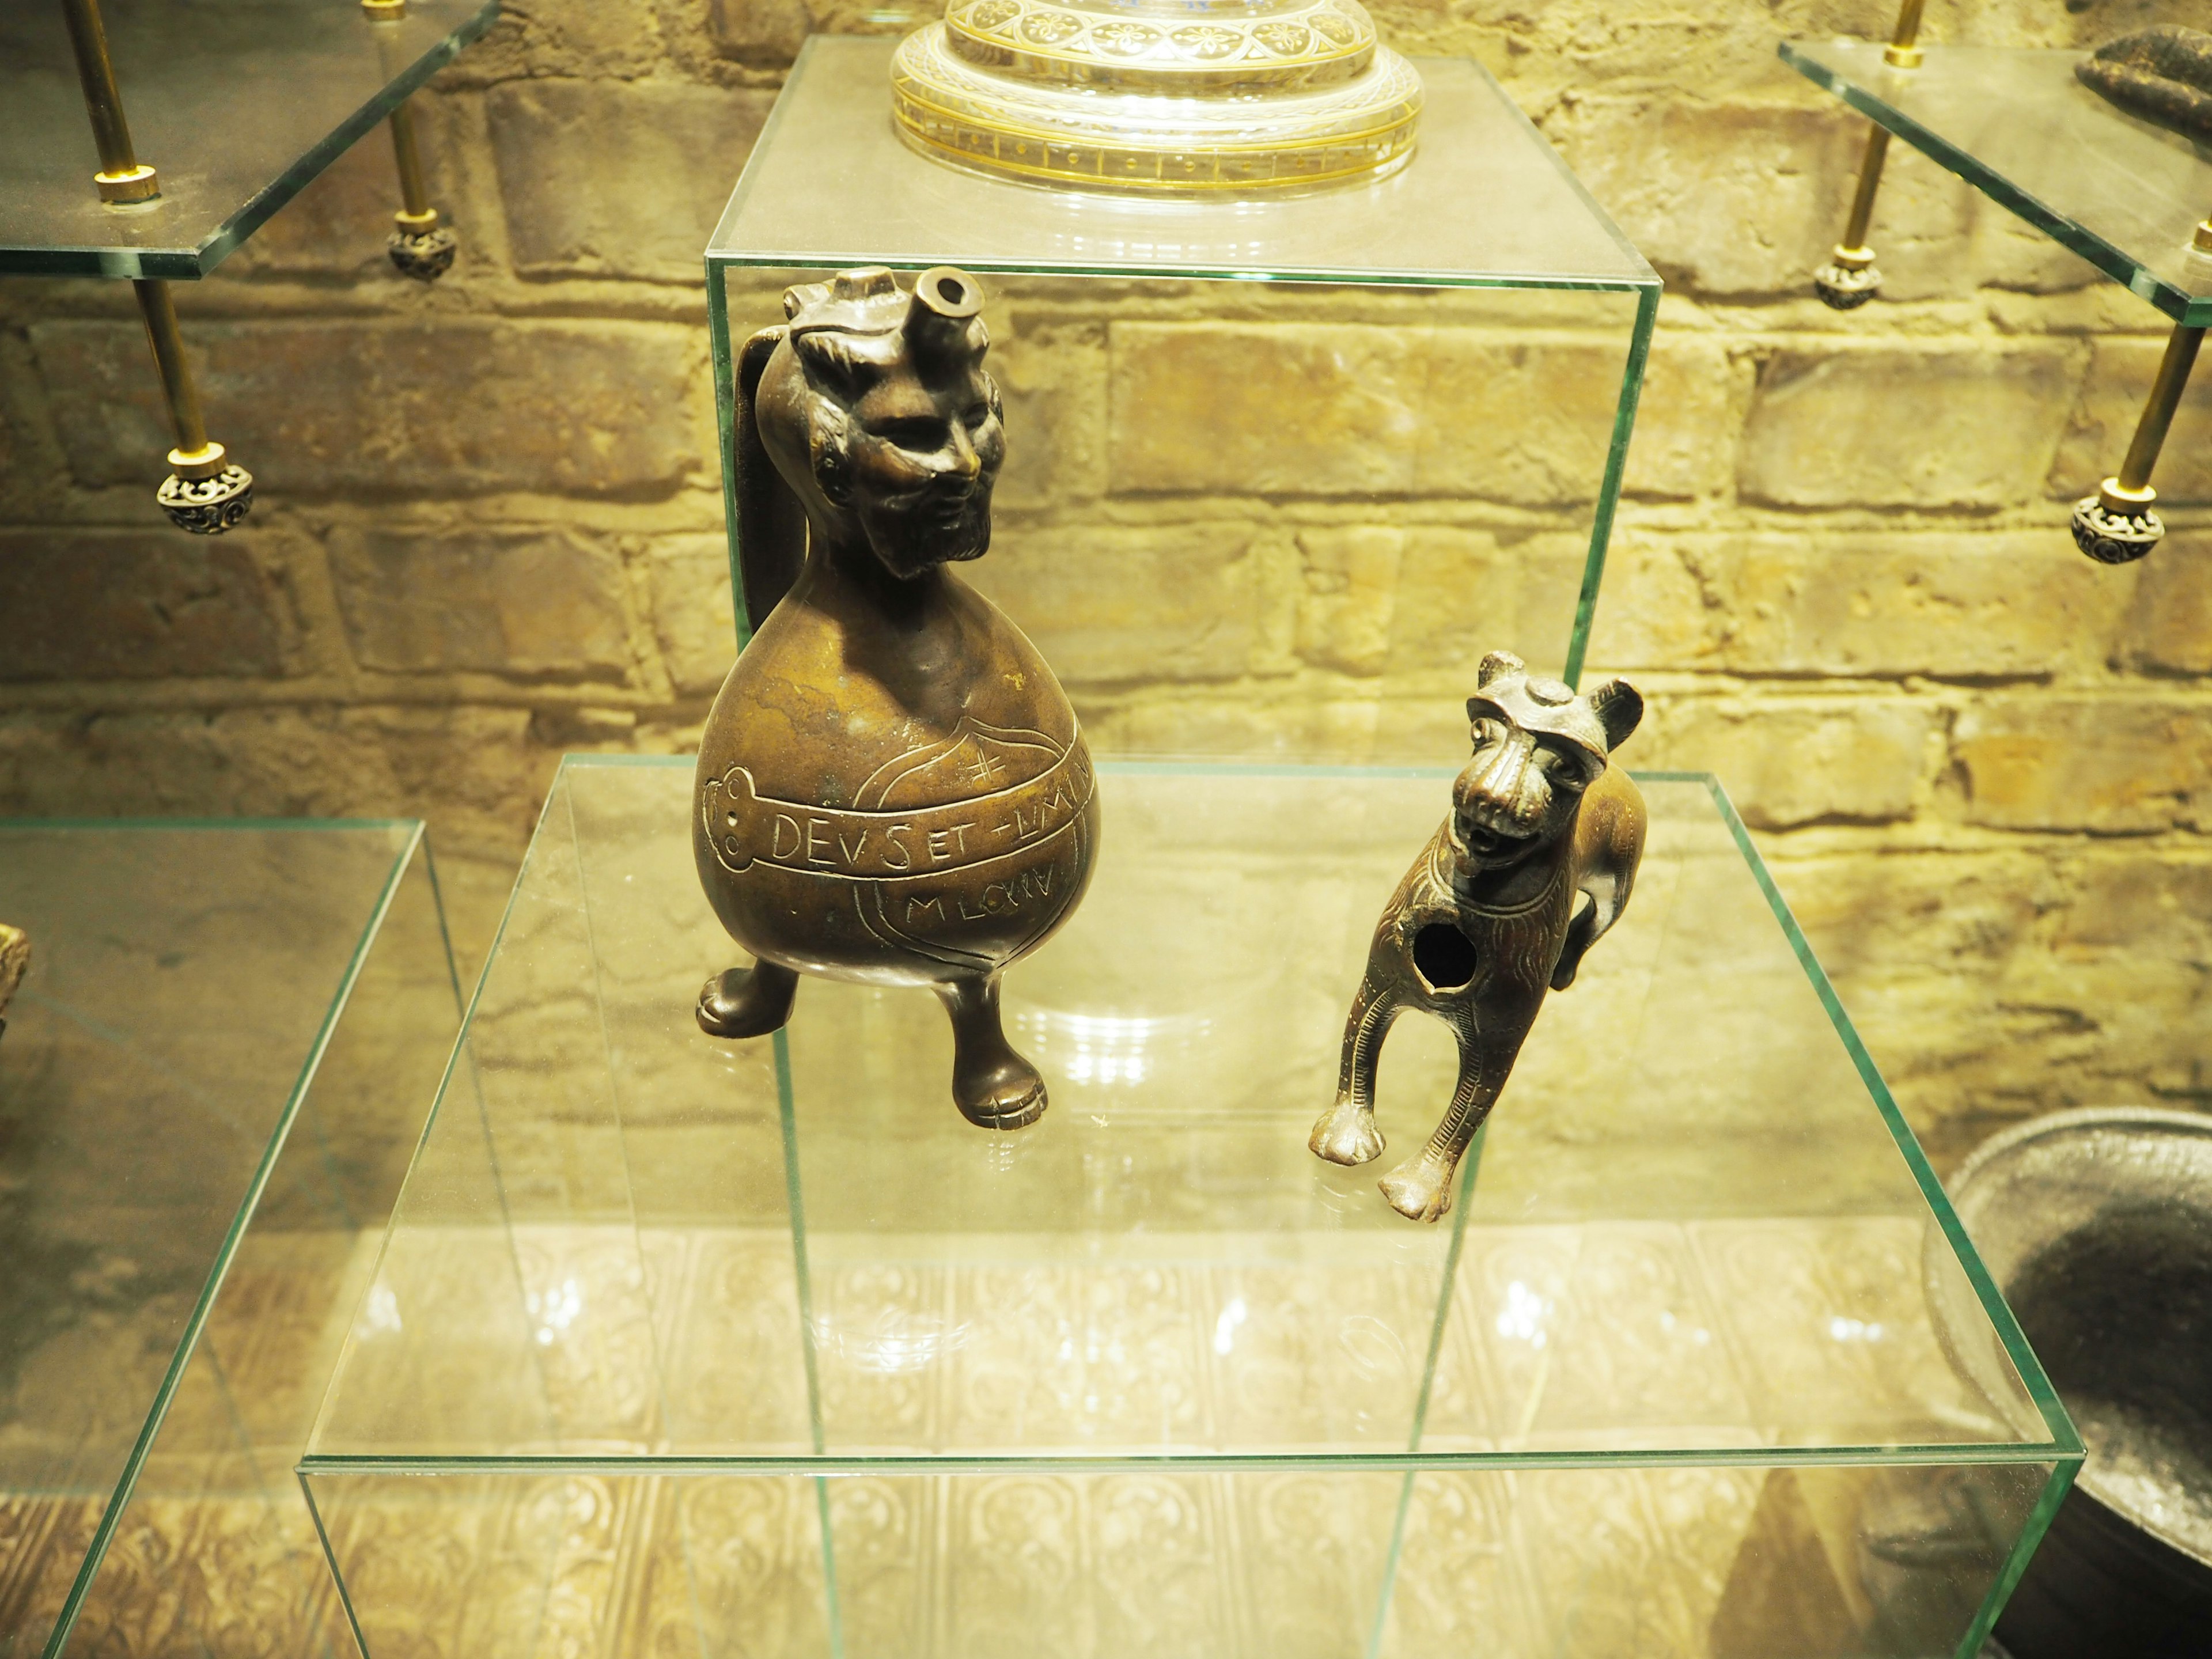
x,y
933,530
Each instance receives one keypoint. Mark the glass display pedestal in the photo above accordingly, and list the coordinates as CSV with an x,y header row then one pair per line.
x,y
209,1084
1167,363
2012,121
2128,195
238,107
680,1345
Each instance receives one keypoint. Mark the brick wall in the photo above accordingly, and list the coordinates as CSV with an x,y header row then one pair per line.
x,y
492,518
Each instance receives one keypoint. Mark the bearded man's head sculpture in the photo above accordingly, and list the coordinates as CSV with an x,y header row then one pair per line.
x,y
872,408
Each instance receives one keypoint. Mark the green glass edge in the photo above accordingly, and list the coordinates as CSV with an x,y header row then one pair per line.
x,y
1315,274
438,1101
48,825
2119,266
330,1560
726,416
1446,1283
1608,494
795,1196
189,265
1950,1455
2064,1441
96,1553
2055,1488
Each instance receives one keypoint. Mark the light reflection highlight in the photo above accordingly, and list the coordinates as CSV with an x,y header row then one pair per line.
x,y
555,1310
1523,1319
891,1342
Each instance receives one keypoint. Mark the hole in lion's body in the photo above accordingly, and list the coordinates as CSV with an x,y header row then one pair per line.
x,y
1442,957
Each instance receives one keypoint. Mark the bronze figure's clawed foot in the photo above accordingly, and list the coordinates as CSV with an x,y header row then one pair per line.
x,y
1421,1189
993,1087
1346,1134
747,1002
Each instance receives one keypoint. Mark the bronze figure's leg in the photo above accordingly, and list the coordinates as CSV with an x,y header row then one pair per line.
x,y
747,1002
1345,1132
1421,1189
993,1087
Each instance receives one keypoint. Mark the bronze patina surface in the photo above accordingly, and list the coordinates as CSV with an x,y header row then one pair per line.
x,y
15,961
1485,923
891,787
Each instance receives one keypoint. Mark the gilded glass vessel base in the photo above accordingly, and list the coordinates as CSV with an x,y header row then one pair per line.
x,y
1158,100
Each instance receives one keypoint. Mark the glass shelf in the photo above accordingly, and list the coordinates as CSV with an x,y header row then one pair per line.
x,y
1485,201
2123,193
238,106
206,1085
758,1348
1484,239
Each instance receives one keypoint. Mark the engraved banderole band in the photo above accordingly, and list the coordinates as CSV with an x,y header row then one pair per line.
x,y
925,841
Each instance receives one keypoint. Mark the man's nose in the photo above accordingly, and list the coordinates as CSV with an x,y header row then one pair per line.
x,y
959,456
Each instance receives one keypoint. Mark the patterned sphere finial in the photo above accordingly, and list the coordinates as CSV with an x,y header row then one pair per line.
x,y
206,492
2113,529
420,246
1849,280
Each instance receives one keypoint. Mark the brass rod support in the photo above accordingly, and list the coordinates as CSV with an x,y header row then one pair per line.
x,y
412,194
2166,391
1877,150
122,177
1903,51
103,100
160,312
206,492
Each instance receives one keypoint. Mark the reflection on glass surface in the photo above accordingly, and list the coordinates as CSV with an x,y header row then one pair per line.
x,y
237,105
1485,200
1150,1360
180,1024
1688,1209
2125,194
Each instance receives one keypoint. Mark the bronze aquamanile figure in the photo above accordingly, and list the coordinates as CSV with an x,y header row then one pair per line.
x,y
1493,913
891,787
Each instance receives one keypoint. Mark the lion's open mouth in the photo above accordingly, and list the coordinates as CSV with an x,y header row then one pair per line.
x,y
1480,841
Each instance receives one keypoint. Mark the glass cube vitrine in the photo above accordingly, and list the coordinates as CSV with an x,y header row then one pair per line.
x,y
238,107
210,1082
684,1347
1306,459
2123,193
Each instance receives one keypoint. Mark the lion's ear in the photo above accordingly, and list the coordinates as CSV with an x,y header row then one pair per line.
x,y
1618,706
1497,663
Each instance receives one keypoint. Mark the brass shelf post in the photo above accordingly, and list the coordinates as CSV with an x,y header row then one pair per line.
x,y
419,246
2118,524
1849,280
205,492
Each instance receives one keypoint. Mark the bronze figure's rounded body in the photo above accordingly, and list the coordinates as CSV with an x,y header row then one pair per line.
x,y
891,787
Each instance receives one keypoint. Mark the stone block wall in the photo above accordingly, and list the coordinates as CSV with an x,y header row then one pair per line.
x,y
491,528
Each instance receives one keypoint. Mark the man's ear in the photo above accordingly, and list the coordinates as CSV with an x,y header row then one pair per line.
x,y
833,463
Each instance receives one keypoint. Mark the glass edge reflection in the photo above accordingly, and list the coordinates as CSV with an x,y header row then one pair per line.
x,y
157,1413
2064,1440
2122,267
339,1465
